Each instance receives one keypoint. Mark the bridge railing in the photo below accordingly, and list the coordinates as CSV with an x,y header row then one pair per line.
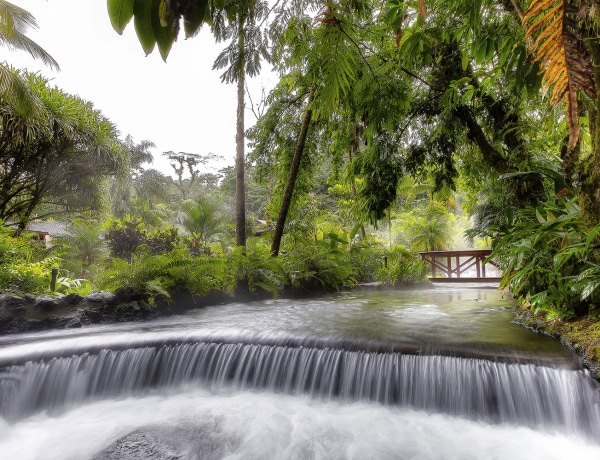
x,y
468,264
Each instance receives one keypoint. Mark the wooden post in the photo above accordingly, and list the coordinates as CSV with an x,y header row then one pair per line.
x,y
53,279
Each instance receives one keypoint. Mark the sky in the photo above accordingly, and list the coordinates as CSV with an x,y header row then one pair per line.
x,y
180,105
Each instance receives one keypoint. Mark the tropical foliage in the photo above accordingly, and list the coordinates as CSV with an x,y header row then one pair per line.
x,y
393,128
57,157
549,258
14,23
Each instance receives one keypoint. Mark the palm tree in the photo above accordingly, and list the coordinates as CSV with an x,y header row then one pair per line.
x,y
14,23
431,234
241,57
85,242
237,20
201,220
325,61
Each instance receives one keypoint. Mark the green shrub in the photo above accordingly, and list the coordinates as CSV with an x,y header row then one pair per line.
x,y
367,260
318,266
402,267
152,274
24,265
29,277
125,236
255,268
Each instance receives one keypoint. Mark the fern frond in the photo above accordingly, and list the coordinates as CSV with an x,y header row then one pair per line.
x,y
564,59
335,58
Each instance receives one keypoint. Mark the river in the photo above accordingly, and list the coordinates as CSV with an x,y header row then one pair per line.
x,y
433,373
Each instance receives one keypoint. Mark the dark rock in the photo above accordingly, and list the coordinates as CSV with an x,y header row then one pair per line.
x,y
30,299
12,303
106,298
129,294
46,302
74,323
90,315
140,445
70,299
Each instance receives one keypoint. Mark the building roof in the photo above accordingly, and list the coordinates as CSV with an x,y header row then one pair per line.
x,y
51,228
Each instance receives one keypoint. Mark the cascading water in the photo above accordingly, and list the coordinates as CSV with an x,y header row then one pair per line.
x,y
440,374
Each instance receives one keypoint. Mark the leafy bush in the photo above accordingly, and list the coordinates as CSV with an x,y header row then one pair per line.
x,y
24,266
368,259
548,258
255,268
317,266
124,236
403,267
82,249
152,274
30,277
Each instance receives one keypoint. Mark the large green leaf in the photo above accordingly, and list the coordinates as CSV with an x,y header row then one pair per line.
x,y
143,24
120,13
163,30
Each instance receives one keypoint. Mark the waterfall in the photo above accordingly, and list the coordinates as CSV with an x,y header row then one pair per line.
x,y
530,394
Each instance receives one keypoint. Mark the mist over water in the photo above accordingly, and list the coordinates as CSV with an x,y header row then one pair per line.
x,y
421,374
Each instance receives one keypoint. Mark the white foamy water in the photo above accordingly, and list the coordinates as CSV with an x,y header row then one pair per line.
x,y
198,425
347,376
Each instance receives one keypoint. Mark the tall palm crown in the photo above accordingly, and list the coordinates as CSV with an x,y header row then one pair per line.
x,y
14,23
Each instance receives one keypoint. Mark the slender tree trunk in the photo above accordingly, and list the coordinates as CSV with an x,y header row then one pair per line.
x,y
587,169
351,152
390,226
291,181
240,188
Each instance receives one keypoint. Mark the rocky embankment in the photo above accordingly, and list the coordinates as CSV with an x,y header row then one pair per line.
x,y
29,313
582,335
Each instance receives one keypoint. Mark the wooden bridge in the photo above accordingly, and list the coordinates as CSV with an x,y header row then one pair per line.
x,y
460,266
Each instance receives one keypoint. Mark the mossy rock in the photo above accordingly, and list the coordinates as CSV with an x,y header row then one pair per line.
x,y
596,354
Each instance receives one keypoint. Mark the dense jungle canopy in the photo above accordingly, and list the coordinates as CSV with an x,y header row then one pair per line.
x,y
395,126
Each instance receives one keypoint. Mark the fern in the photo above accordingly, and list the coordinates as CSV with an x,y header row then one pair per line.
x,y
335,55
151,274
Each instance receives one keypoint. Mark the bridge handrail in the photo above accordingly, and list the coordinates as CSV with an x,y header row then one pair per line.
x,y
442,261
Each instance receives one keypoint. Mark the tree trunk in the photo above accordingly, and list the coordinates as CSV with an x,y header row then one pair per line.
x,y
291,181
587,168
240,188
354,148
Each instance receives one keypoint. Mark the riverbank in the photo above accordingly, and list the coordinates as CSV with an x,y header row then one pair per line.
x,y
28,313
581,335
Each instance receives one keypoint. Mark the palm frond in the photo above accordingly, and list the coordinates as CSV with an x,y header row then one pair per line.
x,y
14,22
13,17
563,56
16,95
